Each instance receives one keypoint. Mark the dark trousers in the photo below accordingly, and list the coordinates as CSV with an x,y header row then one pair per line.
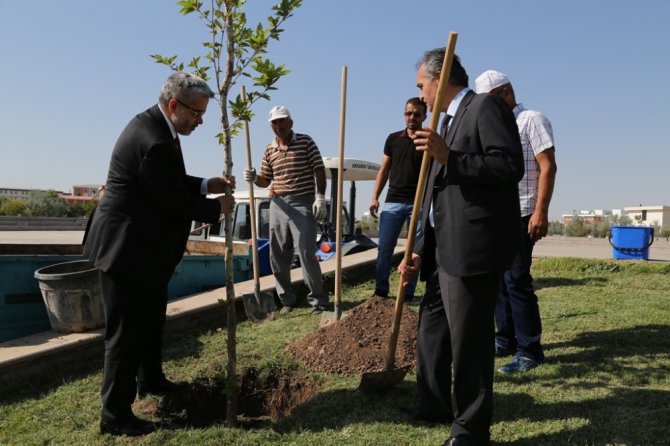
x,y
433,355
456,330
134,321
517,313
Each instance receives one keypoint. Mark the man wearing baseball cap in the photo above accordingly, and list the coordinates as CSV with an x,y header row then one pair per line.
x,y
517,314
293,167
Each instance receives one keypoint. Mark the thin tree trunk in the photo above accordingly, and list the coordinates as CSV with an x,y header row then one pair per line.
x,y
231,317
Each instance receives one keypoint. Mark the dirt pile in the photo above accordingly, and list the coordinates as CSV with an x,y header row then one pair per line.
x,y
358,342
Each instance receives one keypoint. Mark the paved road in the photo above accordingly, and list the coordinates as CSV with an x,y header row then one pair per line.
x,y
595,248
553,246
42,237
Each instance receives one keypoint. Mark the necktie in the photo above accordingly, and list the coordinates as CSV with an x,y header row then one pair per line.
x,y
177,144
436,170
445,126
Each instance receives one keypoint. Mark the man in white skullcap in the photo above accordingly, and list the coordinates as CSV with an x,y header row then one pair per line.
x,y
519,327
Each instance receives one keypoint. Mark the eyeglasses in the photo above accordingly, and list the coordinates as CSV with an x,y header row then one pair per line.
x,y
196,113
415,114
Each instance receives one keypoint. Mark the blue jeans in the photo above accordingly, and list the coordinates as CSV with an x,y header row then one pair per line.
x,y
391,221
517,312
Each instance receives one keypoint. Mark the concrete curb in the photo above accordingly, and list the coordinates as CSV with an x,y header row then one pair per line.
x,y
23,357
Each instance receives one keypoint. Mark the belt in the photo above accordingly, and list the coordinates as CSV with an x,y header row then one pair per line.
x,y
288,195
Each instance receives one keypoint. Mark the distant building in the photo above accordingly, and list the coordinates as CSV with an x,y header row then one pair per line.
x,y
14,194
590,216
80,193
649,215
640,215
86,190
84,193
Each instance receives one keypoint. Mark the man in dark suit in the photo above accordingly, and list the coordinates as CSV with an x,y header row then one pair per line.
x,y
137,236
474,234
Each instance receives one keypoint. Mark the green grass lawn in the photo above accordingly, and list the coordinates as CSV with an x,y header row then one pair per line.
x,y
606,380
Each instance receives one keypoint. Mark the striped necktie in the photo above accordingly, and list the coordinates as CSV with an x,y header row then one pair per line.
x,y
445,126
436,169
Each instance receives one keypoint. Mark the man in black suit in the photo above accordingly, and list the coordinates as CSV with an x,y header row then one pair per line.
x,y
137,236
472,239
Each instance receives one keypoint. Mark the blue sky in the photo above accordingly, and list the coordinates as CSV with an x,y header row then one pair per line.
x,y
74,73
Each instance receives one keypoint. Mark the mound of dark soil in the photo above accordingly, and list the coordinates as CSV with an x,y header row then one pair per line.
x,y
358,342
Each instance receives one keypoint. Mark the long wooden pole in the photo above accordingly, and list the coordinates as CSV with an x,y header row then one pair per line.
x,y
252,205
340,181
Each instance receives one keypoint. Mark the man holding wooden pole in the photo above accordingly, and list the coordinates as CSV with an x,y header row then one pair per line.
x,y
474,234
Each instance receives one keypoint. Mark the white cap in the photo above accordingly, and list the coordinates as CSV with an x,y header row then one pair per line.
x,y
279,112
489,80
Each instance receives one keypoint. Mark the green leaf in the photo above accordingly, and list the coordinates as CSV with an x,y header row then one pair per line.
x,y
194,62
235,129
169,61
239,108
189,6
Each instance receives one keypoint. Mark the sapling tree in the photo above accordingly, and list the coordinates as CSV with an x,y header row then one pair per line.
x,y
233,51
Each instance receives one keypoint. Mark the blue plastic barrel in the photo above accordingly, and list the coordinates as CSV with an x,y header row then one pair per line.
x,y
631,242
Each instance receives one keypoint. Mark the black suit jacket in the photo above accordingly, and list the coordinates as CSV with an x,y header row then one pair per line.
x,y
141,225
476,204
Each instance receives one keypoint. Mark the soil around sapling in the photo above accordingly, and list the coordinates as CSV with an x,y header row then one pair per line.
x,y
263,397
355,344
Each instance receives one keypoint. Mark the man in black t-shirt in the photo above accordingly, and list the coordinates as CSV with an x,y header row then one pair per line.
x,y
401,164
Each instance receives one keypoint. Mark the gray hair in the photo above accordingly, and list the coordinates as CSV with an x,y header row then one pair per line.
x,y
184,86
433,60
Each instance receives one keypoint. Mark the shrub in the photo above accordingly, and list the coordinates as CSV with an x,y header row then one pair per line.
x,y
575,228
368,223
12,207
45,204
555,228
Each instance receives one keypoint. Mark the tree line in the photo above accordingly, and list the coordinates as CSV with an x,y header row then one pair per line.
x,y
50,204
576,228
41,203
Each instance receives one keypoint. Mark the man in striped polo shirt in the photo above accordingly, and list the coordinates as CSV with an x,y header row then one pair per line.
x,y
293,168
519,327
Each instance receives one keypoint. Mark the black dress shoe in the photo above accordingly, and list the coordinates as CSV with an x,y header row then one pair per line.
x,y
133,427
423,417
459,441
161,388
